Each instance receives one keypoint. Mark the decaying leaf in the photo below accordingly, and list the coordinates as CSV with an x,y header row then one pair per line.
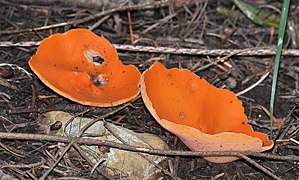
x,y
117,162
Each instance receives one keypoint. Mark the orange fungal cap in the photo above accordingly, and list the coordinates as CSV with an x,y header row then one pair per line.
x,y
204,117
85,68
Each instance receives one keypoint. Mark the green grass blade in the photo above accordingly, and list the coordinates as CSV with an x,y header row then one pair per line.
x,y
282,27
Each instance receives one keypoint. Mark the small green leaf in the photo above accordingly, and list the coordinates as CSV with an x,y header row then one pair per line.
x,y
258,15
229,12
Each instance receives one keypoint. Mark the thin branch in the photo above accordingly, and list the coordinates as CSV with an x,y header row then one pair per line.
x,y
266,171
87,159
89,141
253,85
91,4
262,51
144,6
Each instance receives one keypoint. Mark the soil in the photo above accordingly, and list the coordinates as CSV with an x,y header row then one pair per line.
x,y
198,26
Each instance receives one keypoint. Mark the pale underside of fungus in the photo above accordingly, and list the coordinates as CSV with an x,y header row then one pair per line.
x,y
204,117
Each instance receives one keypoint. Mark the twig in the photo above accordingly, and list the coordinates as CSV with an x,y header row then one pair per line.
x,y
99,22
150,5
282,135
261,51
130,27
15,66
68,147
55,107
11,151
160,22
84,156
219,60
88,141
21,165
19,44
89,4
266,171
253,85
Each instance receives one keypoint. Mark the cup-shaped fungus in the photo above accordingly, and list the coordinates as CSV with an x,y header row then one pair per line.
x,y
85,68
204,117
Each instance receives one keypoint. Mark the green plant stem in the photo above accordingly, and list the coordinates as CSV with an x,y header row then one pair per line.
x,y
282,27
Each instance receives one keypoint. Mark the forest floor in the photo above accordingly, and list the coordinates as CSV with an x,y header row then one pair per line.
x,y
24,98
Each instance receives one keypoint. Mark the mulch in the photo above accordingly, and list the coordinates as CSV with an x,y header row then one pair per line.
x,y
24,98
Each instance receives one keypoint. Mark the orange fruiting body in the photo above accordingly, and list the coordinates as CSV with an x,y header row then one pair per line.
x,y
204,117
85,68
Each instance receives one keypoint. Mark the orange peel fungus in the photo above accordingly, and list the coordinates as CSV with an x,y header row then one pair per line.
x,y
204,117
85,68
